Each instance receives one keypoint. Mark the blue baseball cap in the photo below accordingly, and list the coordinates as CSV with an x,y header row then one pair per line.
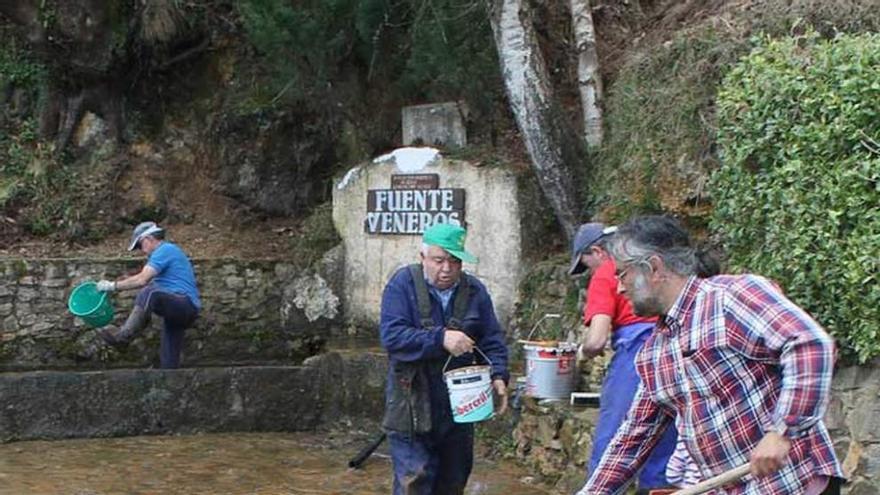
x,y
587,235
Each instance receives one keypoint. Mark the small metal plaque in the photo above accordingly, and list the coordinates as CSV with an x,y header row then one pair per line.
x,y
415,181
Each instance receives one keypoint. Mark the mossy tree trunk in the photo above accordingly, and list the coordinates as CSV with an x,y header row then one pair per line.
x,y
589,81
553,145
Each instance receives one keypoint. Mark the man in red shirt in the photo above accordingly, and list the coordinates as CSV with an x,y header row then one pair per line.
x,y
609,315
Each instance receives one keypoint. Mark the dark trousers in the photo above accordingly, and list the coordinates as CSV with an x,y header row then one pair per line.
x,y
178,313
833,487
436,463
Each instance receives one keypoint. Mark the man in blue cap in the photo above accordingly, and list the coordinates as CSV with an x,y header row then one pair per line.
x,y
168,288
432,312
608,316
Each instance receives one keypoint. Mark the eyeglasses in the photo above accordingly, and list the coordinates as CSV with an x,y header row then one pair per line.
x,y
620,274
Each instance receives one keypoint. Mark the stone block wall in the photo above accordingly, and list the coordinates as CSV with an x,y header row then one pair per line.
x,y
554,441
327,389
853,418
253,312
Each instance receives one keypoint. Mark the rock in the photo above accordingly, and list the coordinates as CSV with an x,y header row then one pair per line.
x,y
277,165
435,124
311,296
853,458
91,131
863,488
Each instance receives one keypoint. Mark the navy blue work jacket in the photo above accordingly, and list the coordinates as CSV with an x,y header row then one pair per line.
x,y
404,339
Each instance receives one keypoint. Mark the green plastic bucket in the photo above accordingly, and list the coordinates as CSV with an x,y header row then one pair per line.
x,y
90,304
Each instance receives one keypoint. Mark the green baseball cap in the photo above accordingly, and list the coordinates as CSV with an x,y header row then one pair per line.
x,y
450,238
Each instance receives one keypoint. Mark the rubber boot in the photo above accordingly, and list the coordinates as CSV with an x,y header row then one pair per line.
x,y
137,320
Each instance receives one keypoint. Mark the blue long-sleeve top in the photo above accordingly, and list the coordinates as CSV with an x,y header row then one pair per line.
x,y
404,339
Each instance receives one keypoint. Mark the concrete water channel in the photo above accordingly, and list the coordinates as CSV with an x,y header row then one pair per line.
x,y
237,463
220,430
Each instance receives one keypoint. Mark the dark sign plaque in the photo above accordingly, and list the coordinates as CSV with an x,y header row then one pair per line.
x,y
415,181
411,211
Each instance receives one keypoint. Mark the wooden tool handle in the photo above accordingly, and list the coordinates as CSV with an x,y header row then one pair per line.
x,y
715,482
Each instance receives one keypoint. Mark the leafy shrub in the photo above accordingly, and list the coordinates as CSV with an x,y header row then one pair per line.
x,y
17,69
797,197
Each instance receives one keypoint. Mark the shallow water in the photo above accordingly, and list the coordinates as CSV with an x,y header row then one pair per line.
x,y
240,463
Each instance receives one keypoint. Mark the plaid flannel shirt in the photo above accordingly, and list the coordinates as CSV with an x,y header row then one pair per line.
x,y
735,359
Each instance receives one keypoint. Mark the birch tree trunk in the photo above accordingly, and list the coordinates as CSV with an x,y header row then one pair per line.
x,y
589,81
552,144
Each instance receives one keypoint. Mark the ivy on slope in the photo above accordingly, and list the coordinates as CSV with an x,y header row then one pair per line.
x,y
797,196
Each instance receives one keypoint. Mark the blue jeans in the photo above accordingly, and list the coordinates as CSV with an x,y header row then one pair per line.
x,y
178,313
618,390
436,463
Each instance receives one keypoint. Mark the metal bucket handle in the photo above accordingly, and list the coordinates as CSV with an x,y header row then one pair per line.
x,y
478,350
546,315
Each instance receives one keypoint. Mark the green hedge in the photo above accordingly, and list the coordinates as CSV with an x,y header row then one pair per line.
x,y
797,197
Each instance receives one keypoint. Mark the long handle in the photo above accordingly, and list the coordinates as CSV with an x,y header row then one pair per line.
x,y
717,481
546,315
362,456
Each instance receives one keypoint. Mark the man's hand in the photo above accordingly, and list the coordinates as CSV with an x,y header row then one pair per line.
x,y
770,454
501,392
457,342
106,286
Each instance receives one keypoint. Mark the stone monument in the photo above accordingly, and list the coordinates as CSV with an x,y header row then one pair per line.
x,y
435,124
380,210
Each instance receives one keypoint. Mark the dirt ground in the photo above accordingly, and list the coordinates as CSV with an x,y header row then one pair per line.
x,y
216,226
216,239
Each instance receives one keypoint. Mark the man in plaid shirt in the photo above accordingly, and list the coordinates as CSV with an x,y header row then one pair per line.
x,y
746,370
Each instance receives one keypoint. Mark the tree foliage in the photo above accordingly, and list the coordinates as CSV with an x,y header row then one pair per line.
x,y
797,197
418,49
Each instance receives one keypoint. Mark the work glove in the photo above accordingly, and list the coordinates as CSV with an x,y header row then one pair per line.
x,y
106,286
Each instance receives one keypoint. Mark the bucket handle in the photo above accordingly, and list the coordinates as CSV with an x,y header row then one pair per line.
x,y
478,350
546,315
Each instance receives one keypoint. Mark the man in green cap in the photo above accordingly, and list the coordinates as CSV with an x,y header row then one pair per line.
x,y
434,315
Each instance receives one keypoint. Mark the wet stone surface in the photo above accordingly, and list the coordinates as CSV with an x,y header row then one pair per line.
x,y
254,464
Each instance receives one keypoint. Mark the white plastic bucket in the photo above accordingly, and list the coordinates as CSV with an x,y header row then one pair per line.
x,y
550,370
470,392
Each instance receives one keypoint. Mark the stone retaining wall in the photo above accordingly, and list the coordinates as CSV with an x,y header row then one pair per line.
x,y
253,312
325,390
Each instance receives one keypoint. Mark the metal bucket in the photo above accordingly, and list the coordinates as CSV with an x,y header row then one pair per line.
x,y
550,370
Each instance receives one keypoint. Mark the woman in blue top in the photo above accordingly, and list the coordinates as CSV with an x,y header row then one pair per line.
x,y
168,288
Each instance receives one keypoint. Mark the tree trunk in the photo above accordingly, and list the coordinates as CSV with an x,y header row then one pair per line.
x,y
589,80
552,144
